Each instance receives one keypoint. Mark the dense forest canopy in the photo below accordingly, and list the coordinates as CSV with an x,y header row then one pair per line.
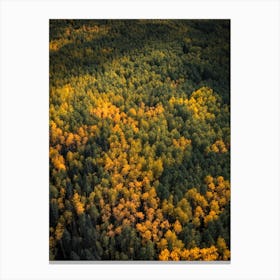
x,y
139,139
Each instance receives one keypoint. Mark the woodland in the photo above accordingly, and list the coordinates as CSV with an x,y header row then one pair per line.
x,y
139,140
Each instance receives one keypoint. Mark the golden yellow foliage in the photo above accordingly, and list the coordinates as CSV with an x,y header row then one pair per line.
x,y
177,227
69,139
193,254
59,231
162,244
147,235
223,249
199,103
57,159
218,147
175,254
79,206
164,255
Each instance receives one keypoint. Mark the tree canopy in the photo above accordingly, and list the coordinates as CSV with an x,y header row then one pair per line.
x,y
139,147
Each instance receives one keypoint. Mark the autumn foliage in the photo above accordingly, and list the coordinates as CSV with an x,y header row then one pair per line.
x,y
139,140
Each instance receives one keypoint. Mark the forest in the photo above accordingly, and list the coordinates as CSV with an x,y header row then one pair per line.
x,y
139,140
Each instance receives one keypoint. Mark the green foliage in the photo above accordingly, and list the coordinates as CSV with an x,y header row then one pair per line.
x,y
139,140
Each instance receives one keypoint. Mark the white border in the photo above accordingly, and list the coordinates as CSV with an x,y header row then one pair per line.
x,y
24,138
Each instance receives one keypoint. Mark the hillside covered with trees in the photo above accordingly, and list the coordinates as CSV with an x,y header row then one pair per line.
x,y
139,147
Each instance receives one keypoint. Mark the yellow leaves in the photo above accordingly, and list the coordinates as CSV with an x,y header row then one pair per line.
x,y
52,242
198,212
157,168
65,92
150,214
210,206
181,143
196,221
132,112
218,147
223,249
59,231
162,244
125,169
110,233
209,195
57,159
60,203
171,237
152,112
200,102
210,217
58,162
141,227
55,45
197,198
175,254
185,254
79,206
106,109
70,139
165,225
56,134
69,156
179,101
209,254
147,235
164,255
214,205
167,207
211,187
193,254
177,227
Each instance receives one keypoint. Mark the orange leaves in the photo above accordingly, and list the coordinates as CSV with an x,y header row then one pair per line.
x,y
141,227
118,230
140,215
165,225
145,196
